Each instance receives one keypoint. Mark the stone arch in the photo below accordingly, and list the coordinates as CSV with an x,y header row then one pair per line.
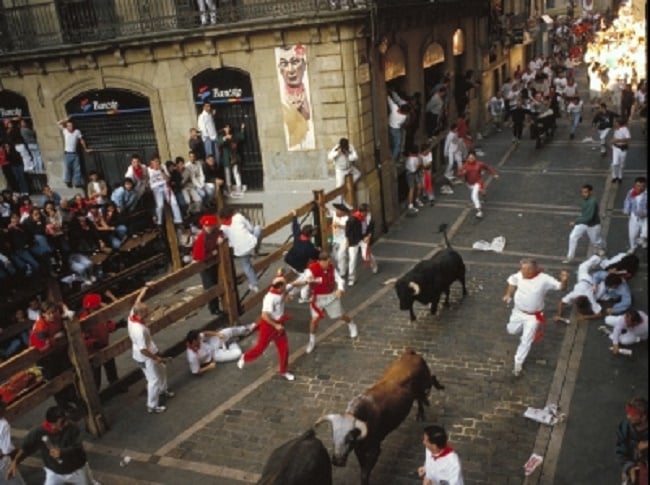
x,y
394,63
433,54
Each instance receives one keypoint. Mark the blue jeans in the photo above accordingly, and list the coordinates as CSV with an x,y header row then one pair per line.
x,y
72,169
575,121
118,235
19,176
36,157
395,135
247,263
22,257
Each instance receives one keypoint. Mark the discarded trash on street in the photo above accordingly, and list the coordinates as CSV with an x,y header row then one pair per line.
x,y
549,416
533,462
497,245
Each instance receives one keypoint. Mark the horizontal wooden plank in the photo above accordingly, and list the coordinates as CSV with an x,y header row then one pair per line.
x,y
39,394
158,324
15,329
278,224
26,359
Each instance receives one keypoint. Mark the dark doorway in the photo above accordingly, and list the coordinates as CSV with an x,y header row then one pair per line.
x,y
115,123
230,93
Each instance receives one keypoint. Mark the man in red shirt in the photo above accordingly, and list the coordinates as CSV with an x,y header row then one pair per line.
x,y
96,337
327,287
46,329
205,247
472,171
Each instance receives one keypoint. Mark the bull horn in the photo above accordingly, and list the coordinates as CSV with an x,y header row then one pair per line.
x,y
361,426
415,287
326,417
390,281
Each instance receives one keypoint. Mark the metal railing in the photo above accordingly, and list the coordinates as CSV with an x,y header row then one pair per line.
x,y
32,25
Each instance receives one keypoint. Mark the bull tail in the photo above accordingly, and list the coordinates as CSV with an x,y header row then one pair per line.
x,y
436,383
443,229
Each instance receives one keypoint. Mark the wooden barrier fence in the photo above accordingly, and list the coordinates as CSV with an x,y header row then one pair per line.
x,y
161,317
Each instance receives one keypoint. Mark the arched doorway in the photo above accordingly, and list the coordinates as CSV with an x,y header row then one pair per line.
x,y
14,107
462,86
230,92
116,123
395,69
433,66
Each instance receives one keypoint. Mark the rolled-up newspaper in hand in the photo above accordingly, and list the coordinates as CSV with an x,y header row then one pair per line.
x,y
46,440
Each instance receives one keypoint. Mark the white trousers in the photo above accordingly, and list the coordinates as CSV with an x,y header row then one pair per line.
x,y
340,256
602,135
235,173
81,476
525,324
637,228
339,176
618,162
353,259
192,198
578,231
161,195
305,290
210,4
28,162
474,191
633,335
453,161
156,375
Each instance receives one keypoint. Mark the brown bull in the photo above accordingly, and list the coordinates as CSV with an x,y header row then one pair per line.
x,y
372,415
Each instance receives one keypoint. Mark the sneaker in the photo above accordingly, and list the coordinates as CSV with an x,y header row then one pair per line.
x,y
457,181
567,261
353,330
419,203
310,346
288,376
601,252
168,394
411,208
254,289
603,329
479,214
351,282
157,409
516,371
374,269
241,362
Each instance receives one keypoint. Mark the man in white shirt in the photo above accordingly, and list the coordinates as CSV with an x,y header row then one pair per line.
x,y
72,163
208,130
340,214
6,449
628,329
343,155
145,352
452,150
527,317
396,120
583,294
441,462
205,349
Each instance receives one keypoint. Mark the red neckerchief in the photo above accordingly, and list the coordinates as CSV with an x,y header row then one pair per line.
x,y
358,215
634,192
194,348
49,428
227,221
276,291
304,237
138,171
295,91
136,319
539,270
442,453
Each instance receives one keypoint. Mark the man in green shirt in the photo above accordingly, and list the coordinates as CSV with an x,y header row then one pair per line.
x,y
587,222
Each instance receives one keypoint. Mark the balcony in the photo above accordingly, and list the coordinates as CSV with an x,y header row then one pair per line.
x,y
38,26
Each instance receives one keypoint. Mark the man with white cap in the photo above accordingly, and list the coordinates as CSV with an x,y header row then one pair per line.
x,y
271,327
327,287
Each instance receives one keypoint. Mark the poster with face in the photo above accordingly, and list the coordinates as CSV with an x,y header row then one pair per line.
x,y
293,80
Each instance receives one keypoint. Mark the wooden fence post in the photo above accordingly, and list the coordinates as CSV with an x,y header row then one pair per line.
x,y
350,192
228,279
323,229
85,381
218,197
172,239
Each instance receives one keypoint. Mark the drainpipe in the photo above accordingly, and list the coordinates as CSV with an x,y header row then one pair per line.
x,y
375,129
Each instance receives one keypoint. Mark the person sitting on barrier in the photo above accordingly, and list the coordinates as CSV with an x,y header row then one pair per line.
x,y
302,252
244,239
125,197
96,336
206,348
19,342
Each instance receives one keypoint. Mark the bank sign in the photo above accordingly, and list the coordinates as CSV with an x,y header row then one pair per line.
x,y
13,105
220,86
107,102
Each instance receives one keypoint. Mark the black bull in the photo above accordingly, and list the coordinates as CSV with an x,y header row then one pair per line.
x,y
301,461
429,279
